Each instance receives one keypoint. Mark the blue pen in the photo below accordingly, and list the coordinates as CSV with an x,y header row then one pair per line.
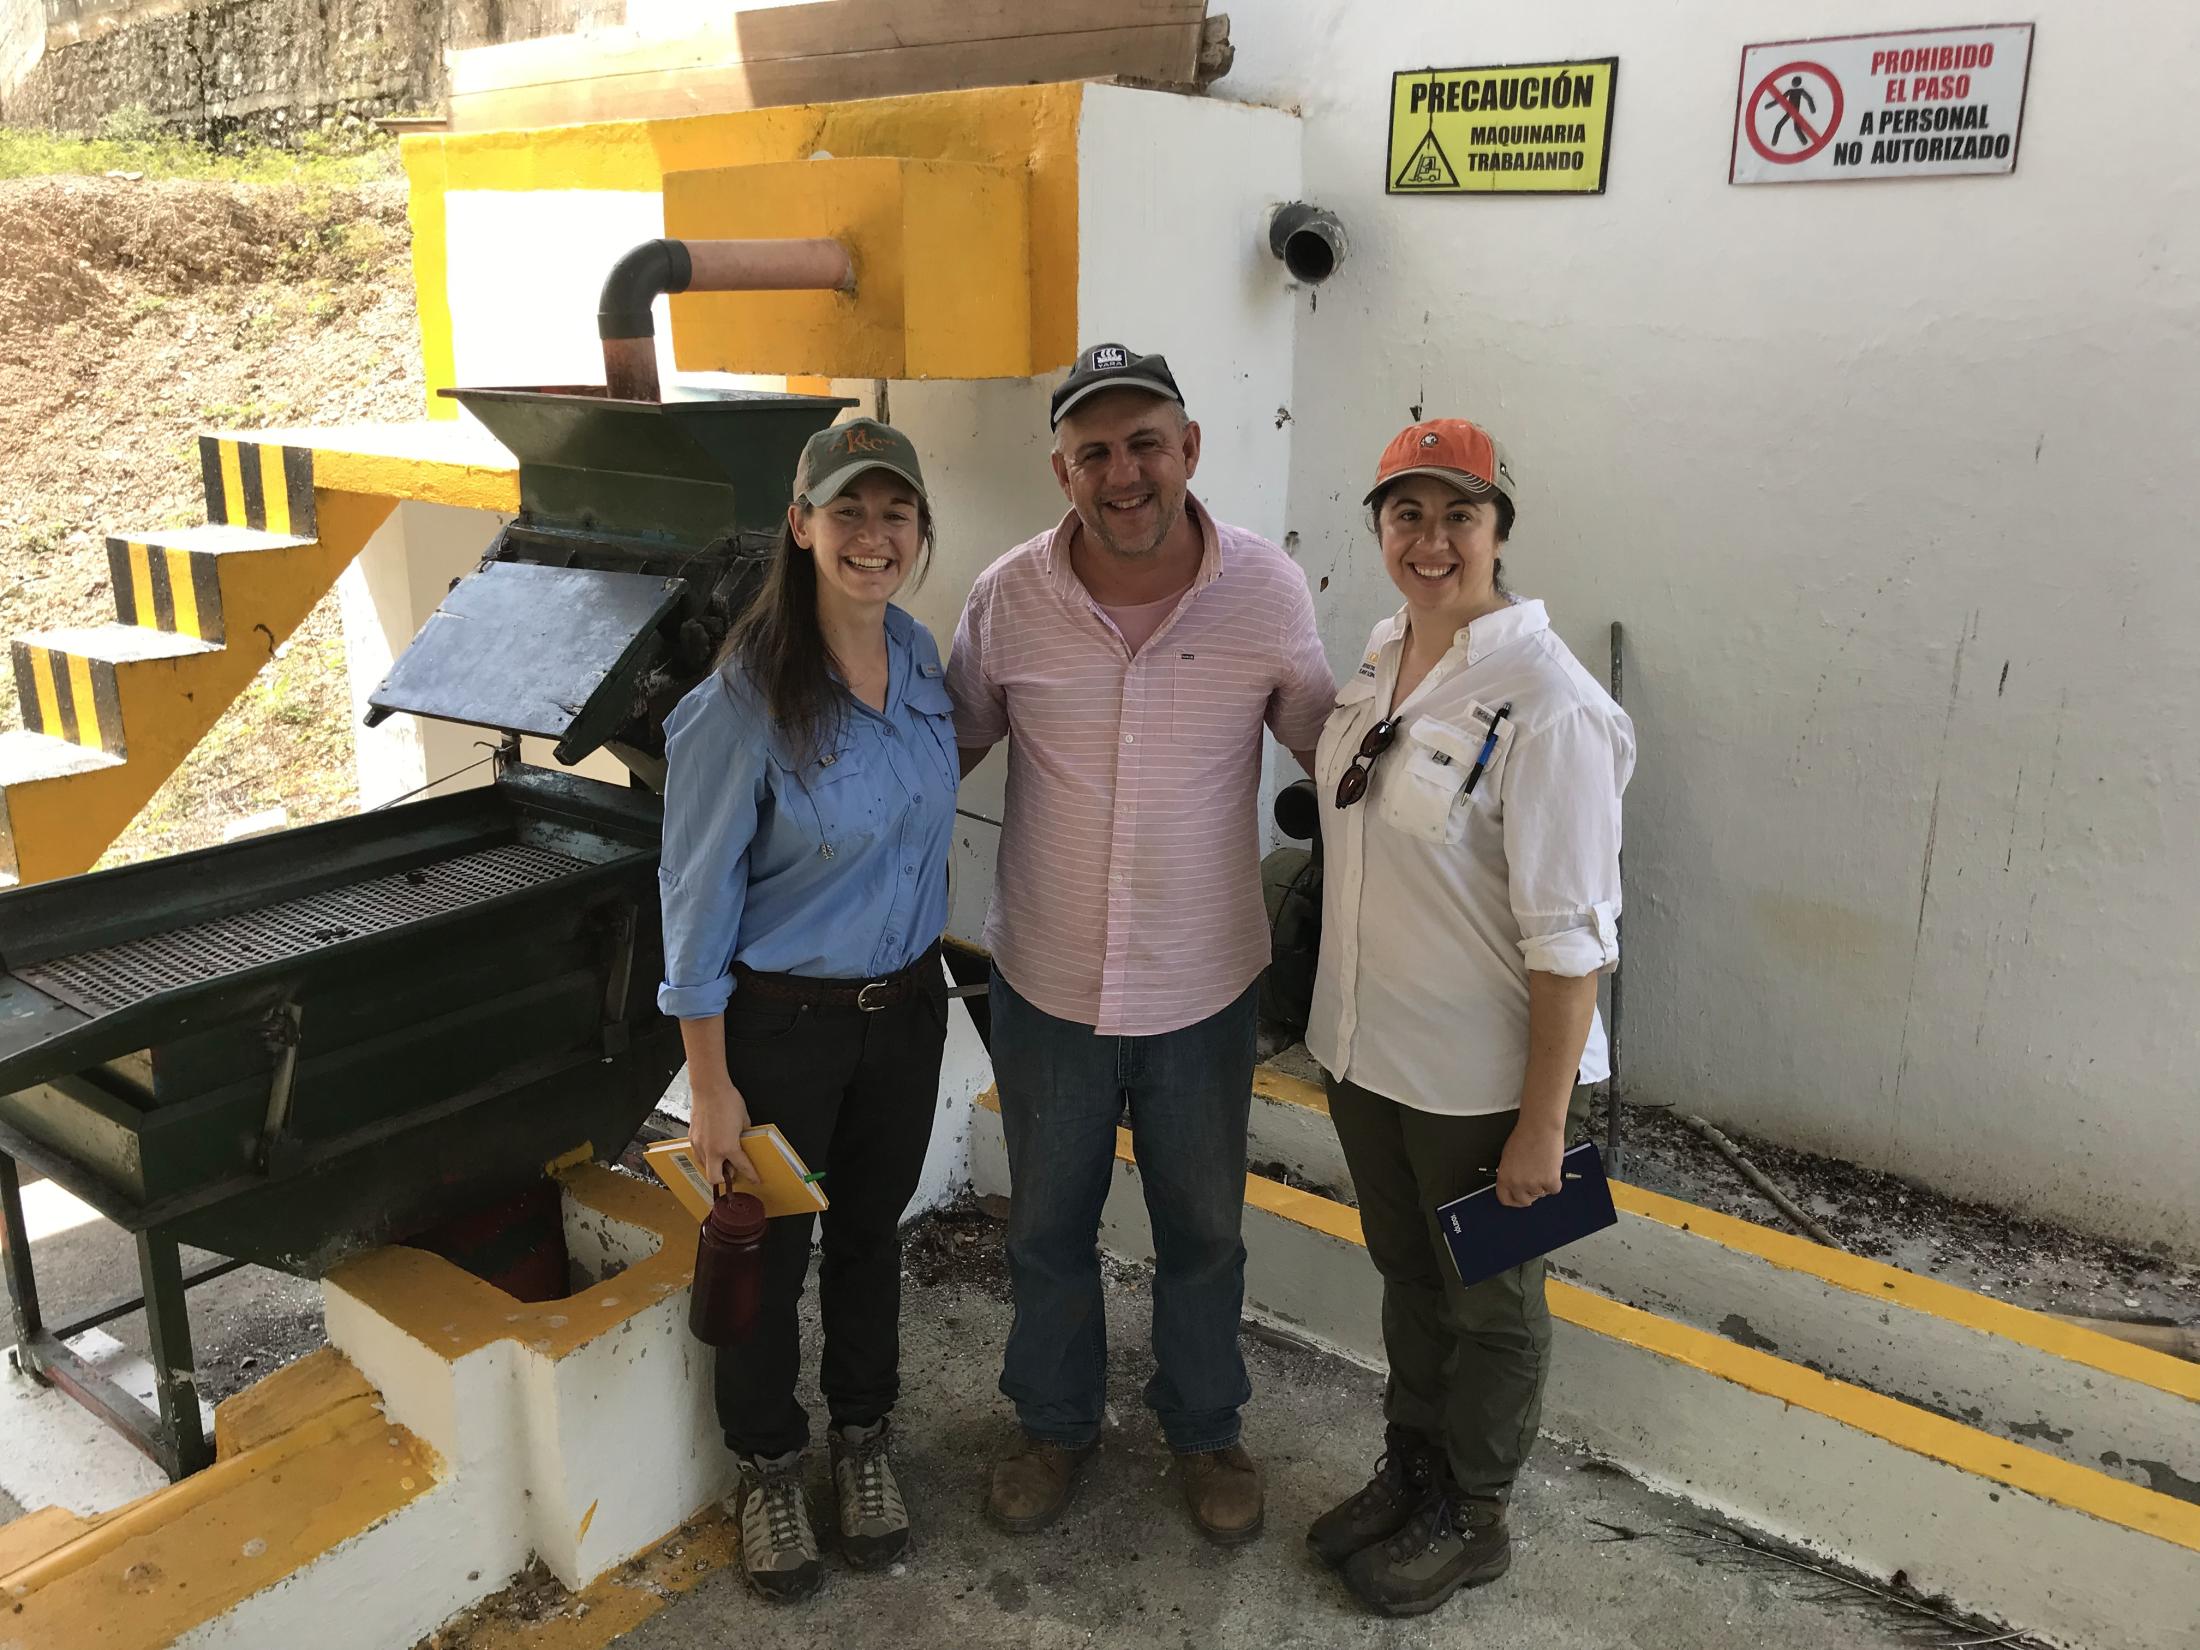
x,y
1489,748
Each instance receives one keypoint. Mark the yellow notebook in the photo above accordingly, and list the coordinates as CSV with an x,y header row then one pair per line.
x,y
787,1188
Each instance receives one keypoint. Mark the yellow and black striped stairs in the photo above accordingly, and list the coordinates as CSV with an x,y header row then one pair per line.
x,y
110,710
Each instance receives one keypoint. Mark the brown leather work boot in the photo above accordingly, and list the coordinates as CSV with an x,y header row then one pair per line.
x,y
1031,1484
1451,1541
1380,1508
1223,1490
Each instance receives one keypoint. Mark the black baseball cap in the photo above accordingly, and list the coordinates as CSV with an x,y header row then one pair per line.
x,y
1112,367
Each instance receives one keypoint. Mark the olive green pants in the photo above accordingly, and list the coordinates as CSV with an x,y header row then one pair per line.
x,y
1467,1365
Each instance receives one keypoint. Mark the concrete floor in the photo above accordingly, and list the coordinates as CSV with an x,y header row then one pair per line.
x,y
244,1325
1600,1561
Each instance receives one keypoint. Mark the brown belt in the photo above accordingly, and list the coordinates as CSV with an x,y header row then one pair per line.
x,y
868,995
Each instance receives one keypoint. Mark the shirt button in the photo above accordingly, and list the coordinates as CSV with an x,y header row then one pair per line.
x,y
1116,881
1130,739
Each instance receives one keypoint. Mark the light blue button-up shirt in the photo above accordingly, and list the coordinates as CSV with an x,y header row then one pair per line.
x,y
835,868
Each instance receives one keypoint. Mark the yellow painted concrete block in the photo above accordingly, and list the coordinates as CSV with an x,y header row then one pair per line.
x,y
183,1556
1031,129
286,1400
37,1533
453,1313
942,252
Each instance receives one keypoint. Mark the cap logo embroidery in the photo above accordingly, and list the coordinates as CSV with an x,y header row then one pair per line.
x,y
861,440
1430,439
1108,356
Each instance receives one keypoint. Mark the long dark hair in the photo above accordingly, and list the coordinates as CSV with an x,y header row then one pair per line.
x,y
776,638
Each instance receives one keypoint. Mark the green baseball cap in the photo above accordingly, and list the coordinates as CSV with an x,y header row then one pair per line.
x,y
834,457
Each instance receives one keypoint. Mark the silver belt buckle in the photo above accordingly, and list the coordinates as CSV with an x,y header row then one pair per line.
x,y
863,997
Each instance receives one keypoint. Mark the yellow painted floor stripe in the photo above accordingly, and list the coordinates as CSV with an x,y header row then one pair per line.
x,y
1914,1293
616,1603
49,698
1281,1086
1857,1275
275,490
87,707
1919,1431
232,483
141,586
182,593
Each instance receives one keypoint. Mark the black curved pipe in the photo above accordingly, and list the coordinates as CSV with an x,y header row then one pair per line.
x,y
636,281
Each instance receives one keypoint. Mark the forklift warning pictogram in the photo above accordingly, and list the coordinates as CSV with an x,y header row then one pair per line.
x,y
1428,167
1794,112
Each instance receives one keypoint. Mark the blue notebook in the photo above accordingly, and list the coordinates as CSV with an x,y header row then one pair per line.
x,y
1487,1238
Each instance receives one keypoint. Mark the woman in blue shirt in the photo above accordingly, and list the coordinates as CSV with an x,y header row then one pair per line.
x,y
809,792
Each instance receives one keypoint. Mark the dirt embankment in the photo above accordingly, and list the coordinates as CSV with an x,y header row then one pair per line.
x,y
135,315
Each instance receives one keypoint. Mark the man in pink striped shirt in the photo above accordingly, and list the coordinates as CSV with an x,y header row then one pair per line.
x,y
1134,652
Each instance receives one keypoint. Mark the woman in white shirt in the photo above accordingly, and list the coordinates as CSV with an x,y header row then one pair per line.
x,y
1470,781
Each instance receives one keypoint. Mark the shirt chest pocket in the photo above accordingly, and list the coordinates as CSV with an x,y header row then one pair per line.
x,y
1426,794
1341,734
929,702
827,802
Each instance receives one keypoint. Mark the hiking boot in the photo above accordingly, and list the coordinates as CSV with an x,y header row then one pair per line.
x,y
1379,1509
1449,1542
874,1525
1222,1488
1031,1484
778,1550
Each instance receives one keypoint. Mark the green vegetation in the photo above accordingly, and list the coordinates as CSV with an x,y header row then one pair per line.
x,y
132,142
42,539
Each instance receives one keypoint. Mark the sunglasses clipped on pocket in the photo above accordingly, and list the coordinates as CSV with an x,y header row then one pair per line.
x,y
1352,783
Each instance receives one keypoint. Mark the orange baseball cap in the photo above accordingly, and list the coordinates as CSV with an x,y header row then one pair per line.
x,y
1464,454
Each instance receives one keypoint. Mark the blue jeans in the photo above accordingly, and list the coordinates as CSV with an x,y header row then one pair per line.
x,y
1063,1091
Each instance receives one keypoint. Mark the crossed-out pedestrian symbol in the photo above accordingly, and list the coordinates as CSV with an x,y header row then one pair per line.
x,y
1794,112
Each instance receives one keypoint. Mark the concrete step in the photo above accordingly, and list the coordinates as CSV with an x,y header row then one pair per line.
x,y
27,758
2003,1529
68,681
258,484
2026,1378
220,599
171,581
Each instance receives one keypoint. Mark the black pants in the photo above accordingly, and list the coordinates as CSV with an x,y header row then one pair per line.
x,y
855,1094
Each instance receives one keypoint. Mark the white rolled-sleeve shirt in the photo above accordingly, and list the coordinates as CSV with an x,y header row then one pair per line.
x,y
1438,900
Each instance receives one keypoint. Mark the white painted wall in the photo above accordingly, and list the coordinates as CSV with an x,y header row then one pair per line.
x,y
1892,485
537,325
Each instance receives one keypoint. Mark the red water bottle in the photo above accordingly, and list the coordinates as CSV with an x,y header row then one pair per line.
x,y
729,1271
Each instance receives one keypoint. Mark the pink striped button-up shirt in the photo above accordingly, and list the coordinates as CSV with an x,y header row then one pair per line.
x,y
1127,892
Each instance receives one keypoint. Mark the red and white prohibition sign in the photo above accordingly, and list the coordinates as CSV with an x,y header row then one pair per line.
x,y
1794,112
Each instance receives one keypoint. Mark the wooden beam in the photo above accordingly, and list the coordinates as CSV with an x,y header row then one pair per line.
x,y
831,51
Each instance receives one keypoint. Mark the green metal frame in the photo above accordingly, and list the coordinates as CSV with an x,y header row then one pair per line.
x,y
174,1436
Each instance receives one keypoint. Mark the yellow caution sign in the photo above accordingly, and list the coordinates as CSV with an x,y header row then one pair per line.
x,y
1519,129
